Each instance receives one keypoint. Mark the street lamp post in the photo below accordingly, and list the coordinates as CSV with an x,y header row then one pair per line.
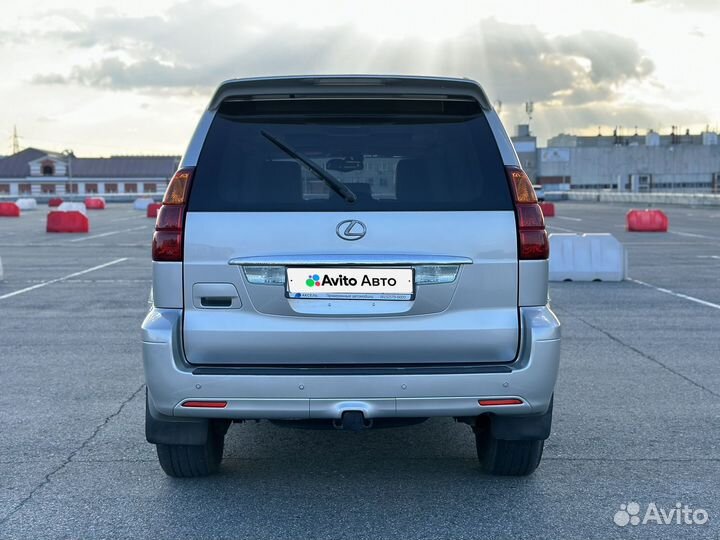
x,y
69,155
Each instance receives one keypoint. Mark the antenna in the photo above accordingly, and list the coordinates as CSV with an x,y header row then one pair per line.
x,y
529,108
15,141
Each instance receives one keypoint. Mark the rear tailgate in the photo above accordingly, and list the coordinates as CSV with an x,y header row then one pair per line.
x,y
432,202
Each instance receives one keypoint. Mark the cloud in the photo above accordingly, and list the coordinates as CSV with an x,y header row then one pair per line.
x,y
612,58
683,5
196,46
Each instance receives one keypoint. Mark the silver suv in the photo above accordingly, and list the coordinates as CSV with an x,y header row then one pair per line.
x,y
350,252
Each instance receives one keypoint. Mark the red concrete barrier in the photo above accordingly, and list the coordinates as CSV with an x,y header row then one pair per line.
x,y
9,209
548,209
55,202
152,209
94,203
647,221
67,222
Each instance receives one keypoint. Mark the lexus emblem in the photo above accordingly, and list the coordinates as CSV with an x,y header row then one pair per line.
x,y
351,229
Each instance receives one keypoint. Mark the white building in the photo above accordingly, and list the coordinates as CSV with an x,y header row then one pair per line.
x,y
38,173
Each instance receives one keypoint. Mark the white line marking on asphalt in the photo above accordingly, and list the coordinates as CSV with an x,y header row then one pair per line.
x,y
84,238
560,228
691,235
708,256
666,243
95,281
137,216
64,278
679,295
569,218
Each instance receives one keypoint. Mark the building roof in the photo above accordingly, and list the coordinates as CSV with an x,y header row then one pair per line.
x,y
125,167
17,165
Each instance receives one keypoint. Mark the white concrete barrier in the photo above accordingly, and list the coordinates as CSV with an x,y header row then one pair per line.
x,y
27,204
73,207
587,257
142,203
687,199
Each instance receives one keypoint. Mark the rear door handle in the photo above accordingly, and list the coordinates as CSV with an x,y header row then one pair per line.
x,y
215,296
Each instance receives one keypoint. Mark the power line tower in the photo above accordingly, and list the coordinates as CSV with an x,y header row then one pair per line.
x,y
529,108
15,141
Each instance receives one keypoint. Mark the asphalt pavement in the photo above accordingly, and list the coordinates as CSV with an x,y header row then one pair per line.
x,y
636,419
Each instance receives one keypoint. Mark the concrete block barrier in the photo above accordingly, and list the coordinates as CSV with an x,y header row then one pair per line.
x,y
95,203
142,203
67,222
152,210
548,209
55,202
587,257
27,204
688,199
73,207
647,221
9,209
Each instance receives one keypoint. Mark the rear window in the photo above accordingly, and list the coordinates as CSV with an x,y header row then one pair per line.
x,y
394,155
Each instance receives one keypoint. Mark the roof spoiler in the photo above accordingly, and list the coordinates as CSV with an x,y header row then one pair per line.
x,y
349,85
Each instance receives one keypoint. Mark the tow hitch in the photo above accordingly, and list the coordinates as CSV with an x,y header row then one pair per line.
x,y
353,421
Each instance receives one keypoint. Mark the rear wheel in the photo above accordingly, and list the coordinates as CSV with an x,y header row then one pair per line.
x,y
192,461
508,458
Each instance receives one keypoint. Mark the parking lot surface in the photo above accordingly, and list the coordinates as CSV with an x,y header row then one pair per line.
x,y
637,410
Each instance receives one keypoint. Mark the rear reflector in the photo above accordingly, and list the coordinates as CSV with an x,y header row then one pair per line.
x,y
495,402
205,404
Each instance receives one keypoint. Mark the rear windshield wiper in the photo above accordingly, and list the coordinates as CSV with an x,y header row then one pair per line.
x,y
336,185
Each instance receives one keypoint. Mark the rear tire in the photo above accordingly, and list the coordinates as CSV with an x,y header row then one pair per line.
x,y
193,461
508,458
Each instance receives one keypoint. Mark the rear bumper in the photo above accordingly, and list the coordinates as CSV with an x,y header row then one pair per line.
x,y
171,381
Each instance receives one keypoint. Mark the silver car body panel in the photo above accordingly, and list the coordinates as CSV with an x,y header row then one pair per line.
x,y
533,283
171,381
167,284
472,319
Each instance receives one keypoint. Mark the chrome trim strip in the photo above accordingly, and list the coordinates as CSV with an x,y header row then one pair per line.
x,y
348,260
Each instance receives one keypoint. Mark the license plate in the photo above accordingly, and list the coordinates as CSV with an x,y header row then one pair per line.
x,y
351,283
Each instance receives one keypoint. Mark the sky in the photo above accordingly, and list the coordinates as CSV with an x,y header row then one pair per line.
x,y
104,78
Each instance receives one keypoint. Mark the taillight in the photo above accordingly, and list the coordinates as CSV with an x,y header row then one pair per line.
x,y
533,239
167,244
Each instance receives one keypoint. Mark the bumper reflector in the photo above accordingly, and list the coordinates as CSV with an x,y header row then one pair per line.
x,y
205,404
494,402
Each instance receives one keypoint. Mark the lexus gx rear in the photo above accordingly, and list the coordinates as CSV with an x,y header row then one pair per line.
x,y
350,252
